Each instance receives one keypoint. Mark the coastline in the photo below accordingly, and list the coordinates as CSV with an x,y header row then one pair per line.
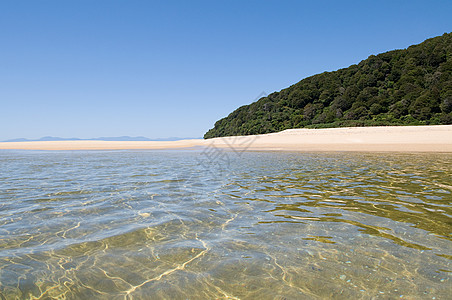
x,y
432,138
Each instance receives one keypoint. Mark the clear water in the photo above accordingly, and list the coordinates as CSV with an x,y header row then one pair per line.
x,y
224,225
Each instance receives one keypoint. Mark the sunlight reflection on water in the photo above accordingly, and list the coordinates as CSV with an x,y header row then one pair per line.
x,y
173,224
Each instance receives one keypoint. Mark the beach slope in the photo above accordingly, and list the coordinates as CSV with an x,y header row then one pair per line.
x,y
437,138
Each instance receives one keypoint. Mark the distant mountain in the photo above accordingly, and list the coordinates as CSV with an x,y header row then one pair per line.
x,y
119,138
52,138
123,138
412,86
45,138
17,140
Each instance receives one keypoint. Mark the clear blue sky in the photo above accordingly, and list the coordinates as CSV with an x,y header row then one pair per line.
x,y
90,68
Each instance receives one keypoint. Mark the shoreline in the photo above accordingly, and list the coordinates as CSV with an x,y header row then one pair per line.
x,y
431,138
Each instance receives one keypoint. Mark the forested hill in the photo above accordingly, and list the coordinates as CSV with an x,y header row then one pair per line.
x,y
400,87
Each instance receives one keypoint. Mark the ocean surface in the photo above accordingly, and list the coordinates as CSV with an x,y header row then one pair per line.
x,y
215,224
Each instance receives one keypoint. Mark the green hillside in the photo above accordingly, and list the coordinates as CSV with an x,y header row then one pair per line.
x,y
400,87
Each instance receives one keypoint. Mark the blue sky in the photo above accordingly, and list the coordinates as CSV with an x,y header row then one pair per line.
x,y
91,68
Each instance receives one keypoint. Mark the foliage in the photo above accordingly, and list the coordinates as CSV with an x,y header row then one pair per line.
x,y
400,87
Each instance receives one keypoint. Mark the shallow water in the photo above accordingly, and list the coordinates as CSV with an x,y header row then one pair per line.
x,y
213,224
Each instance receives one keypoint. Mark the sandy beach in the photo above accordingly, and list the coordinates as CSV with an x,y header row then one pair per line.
x,y
436,138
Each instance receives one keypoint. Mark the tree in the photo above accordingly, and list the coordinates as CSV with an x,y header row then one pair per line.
x,y
411,86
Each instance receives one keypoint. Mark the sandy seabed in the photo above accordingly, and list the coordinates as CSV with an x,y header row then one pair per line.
x,y
435,138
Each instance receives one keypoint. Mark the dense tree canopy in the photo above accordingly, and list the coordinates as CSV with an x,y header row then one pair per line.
x,y
400,87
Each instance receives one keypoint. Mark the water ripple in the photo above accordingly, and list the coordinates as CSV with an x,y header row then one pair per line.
x,y
175,224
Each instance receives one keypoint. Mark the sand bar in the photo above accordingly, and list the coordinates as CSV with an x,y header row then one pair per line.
x,y
437,138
